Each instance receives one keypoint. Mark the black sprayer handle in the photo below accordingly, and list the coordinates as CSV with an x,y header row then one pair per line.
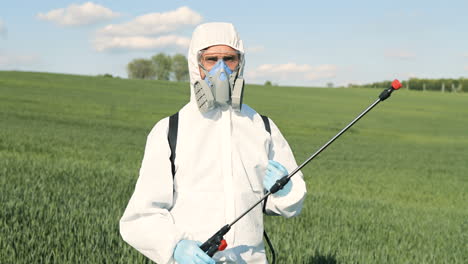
x,y
279,184
216,242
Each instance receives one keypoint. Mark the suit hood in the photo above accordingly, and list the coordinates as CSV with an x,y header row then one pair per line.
x,y
207,35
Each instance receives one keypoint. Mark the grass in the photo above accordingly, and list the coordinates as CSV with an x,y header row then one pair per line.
x,y
393,189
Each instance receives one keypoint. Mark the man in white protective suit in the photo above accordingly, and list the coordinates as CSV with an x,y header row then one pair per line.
x,y
225,160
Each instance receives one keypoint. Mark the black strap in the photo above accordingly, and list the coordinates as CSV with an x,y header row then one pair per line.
x,y
172,138
266,122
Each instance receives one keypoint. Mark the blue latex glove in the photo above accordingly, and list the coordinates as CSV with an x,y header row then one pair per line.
x,y
189,252
274,172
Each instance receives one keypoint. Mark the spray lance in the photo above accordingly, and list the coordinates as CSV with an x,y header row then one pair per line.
x,y
217,243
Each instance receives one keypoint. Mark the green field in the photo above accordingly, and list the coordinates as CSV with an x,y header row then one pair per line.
x,y
393,189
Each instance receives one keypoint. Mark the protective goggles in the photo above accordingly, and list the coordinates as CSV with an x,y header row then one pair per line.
x,y
208,59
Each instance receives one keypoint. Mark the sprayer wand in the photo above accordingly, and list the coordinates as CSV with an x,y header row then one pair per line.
x,y
217,242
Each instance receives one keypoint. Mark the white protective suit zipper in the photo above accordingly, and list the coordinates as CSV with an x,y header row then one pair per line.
x,y
226,146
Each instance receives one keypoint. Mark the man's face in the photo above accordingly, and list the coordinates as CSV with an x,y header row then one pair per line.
x,y
210,56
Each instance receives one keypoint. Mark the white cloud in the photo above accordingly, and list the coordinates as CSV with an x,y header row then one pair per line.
x,y
154,23
465,55
139,42
76,15
466,68
400,54
325,71
148,32
3,29
291,72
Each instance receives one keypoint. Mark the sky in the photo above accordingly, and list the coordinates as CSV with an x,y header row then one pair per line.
x,y
297,43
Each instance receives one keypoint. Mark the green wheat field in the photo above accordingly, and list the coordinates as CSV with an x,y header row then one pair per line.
x,y
393,189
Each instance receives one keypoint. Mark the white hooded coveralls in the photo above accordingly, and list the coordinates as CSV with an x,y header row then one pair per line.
x,y
221,157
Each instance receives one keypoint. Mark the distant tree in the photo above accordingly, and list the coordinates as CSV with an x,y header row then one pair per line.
x,y
141,69
330,85
162,64
448,85
268,83
105,75
180,67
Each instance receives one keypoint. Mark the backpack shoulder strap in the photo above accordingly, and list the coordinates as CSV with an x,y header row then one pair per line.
x,y
172,138
266,122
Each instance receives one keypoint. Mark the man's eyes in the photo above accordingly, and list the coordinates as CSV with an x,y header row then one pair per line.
x,y
215,59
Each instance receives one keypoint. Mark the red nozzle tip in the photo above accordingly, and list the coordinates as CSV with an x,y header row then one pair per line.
x,y
396,84
222,246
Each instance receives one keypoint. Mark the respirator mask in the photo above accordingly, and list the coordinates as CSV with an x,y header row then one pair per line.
x,y
221,85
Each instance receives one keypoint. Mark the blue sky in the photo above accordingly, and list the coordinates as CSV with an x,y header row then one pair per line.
x,y
291,42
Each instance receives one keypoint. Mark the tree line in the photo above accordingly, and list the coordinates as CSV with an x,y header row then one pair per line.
x,y
442,85
159,67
